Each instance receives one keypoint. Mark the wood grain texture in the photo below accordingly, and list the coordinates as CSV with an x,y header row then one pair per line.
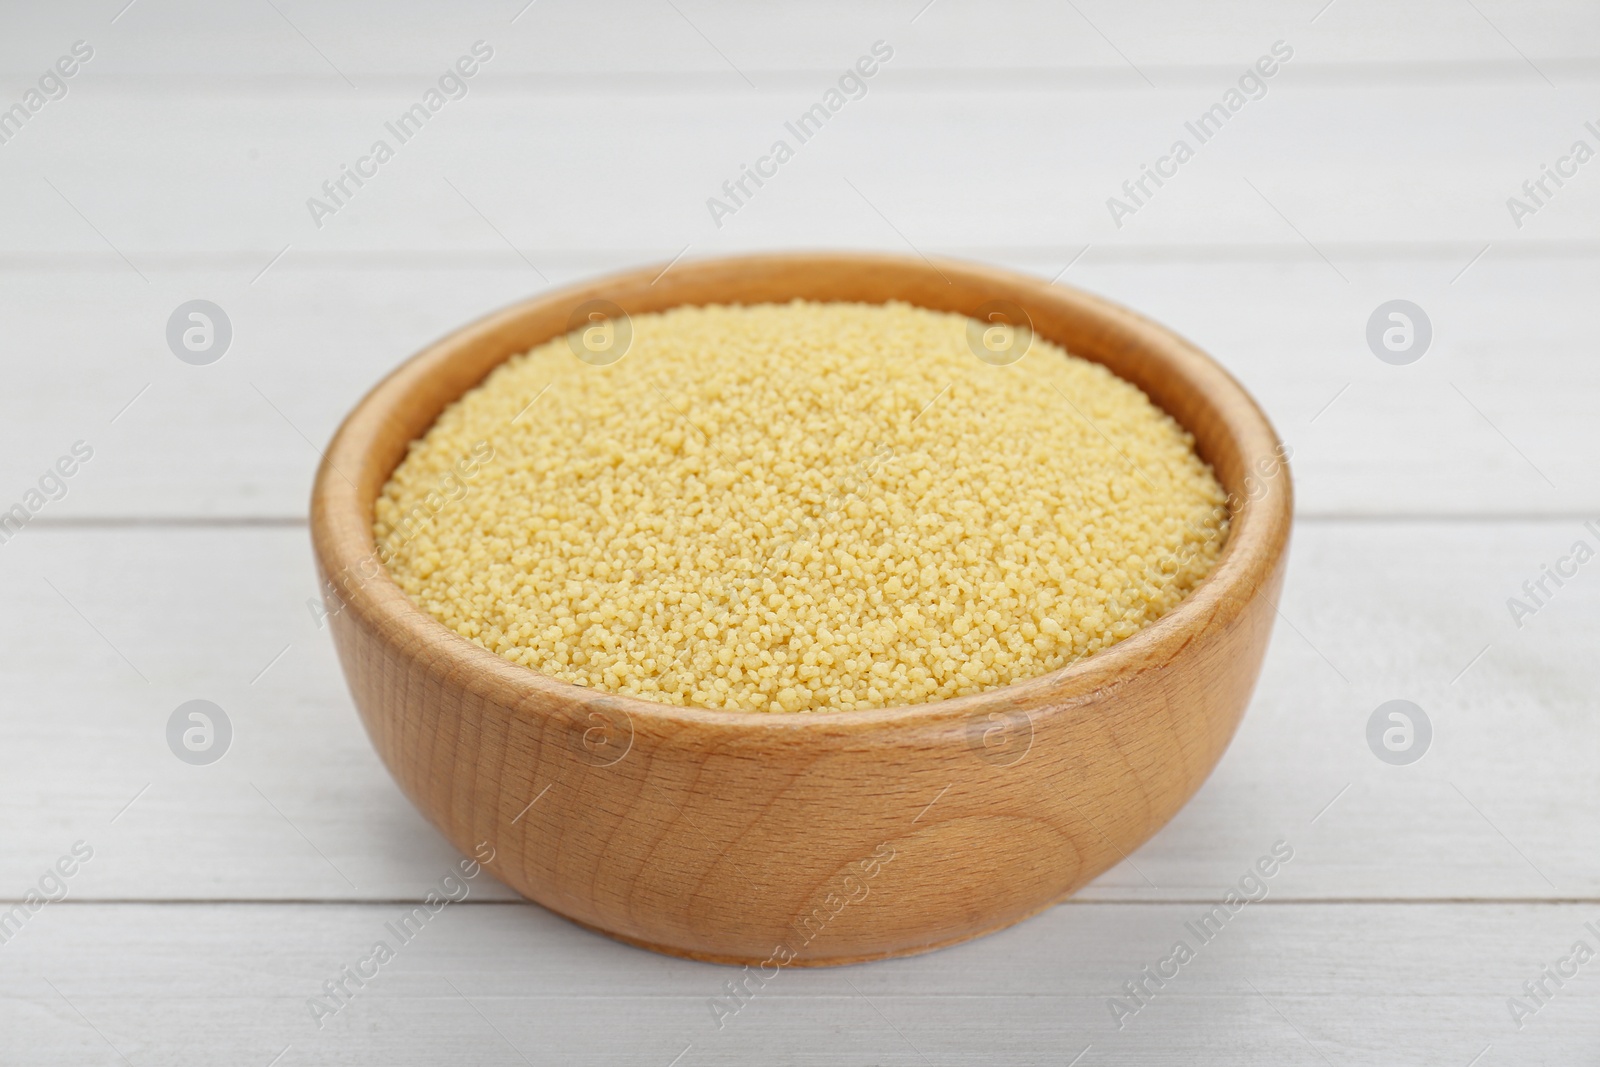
x,y
739,836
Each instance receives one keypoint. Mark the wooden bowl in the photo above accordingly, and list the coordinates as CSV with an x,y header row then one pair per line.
x,y
821,838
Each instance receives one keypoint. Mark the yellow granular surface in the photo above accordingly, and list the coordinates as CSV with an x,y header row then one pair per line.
x,y
800,507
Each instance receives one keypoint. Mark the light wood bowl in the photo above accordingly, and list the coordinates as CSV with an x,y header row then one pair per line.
x,y
819,838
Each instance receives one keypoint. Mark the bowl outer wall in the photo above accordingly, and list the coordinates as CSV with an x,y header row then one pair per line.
x,y
807,838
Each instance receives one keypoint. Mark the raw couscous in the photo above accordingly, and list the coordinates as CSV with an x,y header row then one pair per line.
x,y
800,507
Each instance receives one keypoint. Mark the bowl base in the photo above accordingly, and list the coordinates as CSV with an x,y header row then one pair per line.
x,y
844,960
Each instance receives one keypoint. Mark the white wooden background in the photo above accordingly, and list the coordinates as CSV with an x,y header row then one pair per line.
x,y
220,898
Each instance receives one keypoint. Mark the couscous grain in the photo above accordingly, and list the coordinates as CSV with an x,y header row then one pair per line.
x,y
800,507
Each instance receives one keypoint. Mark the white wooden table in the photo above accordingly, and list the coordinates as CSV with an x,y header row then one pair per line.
x,y
220,898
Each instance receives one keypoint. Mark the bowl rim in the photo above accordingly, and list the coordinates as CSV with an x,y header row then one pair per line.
x,y
343,537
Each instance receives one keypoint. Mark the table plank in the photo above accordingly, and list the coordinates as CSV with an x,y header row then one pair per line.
x,y
1460,432
323,44
136,620
936,168
1283,984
